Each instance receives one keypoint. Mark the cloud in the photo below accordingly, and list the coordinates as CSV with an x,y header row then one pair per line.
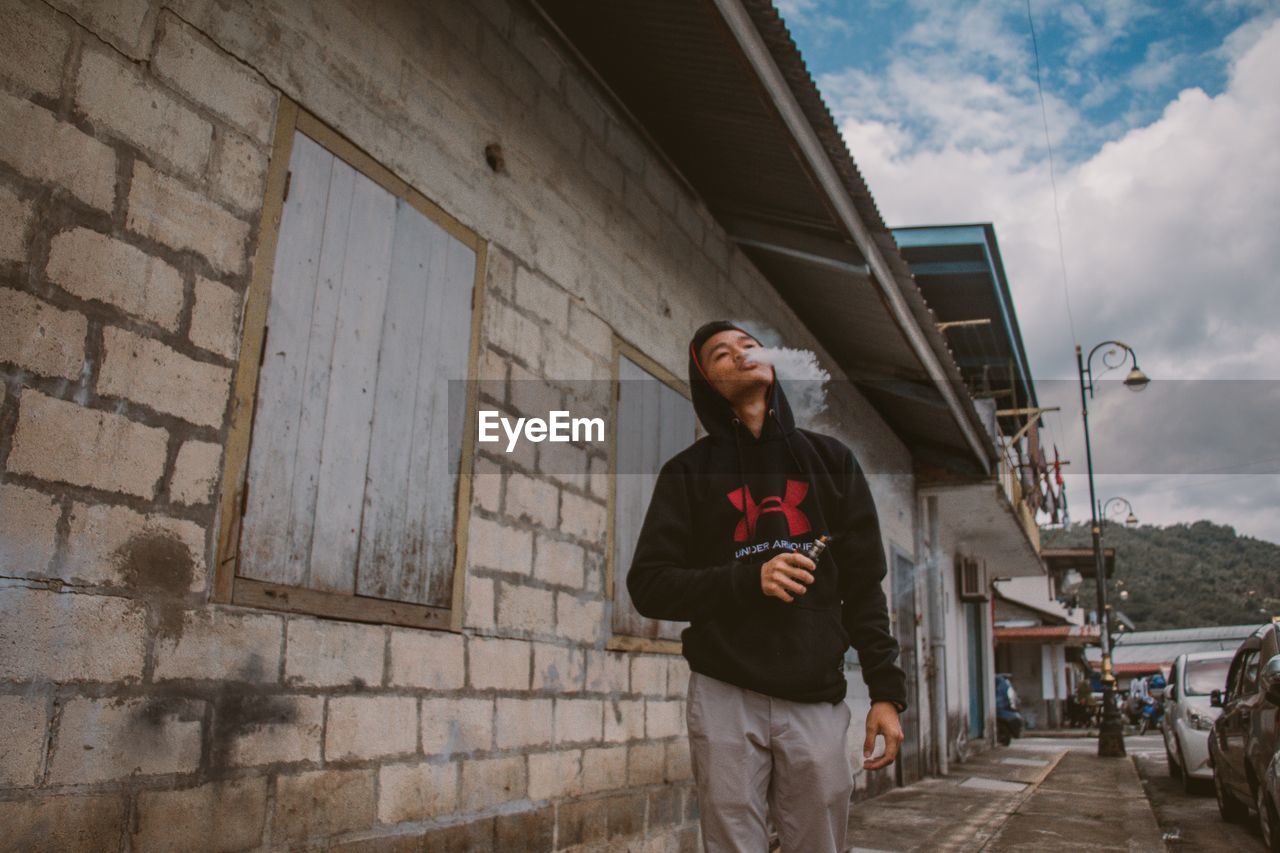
x,y
1169,228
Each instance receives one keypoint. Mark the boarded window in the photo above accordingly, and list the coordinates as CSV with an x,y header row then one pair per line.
x,y
655,421
351,482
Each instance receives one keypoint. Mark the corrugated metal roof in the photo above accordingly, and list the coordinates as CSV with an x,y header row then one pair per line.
x,y
1163,647
677,69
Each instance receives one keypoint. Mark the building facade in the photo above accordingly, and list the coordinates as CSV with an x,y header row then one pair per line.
x,y
262,265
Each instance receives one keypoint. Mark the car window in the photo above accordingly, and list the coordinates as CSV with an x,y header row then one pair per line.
x,y
1234,678
1249,678
1204,676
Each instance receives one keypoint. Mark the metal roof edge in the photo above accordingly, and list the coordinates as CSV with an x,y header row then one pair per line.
x,y
880,247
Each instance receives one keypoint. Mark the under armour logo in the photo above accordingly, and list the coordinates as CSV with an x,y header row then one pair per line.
x,y
788,505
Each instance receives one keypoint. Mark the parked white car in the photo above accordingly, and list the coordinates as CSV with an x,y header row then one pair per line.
x,y
1188,716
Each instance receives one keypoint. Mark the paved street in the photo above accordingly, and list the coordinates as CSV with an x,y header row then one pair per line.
x,y
1050,794
1188,821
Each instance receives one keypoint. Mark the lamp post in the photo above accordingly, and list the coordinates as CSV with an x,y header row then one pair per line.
x,y
1111,733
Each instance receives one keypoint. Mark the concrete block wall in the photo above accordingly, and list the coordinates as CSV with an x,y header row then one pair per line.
x,y
134,145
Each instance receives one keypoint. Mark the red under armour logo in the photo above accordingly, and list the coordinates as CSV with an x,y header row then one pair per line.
x,y
788,505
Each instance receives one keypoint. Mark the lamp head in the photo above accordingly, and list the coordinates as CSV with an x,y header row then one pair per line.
x,y
1131,520
1136,380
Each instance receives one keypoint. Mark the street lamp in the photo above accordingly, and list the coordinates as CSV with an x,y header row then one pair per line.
x,y
1129,521
1111,732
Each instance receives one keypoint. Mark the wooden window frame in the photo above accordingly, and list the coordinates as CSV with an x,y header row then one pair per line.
x,y
621,347
228,588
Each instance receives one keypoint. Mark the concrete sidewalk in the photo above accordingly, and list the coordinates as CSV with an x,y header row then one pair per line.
x,y
1014,800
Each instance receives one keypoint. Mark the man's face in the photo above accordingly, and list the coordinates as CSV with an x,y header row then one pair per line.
x,y
726,359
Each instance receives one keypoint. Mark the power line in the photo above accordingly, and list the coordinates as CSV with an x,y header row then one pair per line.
x,y
1053,180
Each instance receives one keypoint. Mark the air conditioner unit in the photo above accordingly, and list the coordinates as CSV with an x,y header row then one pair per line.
x,y
972,579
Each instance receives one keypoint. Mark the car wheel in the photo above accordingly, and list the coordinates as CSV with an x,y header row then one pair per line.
x,y
1231,809
1189,784
1268,821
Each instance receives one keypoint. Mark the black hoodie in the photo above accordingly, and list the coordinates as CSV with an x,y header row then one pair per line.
x,y
729,503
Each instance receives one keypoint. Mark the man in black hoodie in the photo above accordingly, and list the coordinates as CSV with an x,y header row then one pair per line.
x,y
768,628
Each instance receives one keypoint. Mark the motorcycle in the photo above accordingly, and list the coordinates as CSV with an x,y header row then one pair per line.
x,y
1152,715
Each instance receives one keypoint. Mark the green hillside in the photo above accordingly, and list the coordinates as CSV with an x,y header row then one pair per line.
x,y
1184,575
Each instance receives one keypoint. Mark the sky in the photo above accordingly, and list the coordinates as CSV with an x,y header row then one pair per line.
x,y
1164,123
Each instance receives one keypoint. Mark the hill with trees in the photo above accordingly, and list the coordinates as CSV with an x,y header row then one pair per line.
x,y
1183,575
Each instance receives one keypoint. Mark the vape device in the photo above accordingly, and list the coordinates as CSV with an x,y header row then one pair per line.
x,y
819,545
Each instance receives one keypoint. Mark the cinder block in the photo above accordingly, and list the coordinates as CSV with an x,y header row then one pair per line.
x,y
512,332
499,663
557,668
454,726
148,372
567,463
62,442
532,396
500,272
649,674
581,98
239,171
22,748
195,472
497,546
677,676
646,763
416,792
579,720
36,44
590,332
95,266
553,775
539,296
257,729
679,766
67,824
579,620
479,603
223,645
583,517
486,485
663,718
43,148
623,720
325,653
321,803
28,530
103,739
604,768
215,318
224,816
523,722
488,782
15,216
600,477
608,671
208,76
533,500
562,361
558,562
38,337
524,608
116,545
128,25
163,209
434,660
117,98
70,637
370,727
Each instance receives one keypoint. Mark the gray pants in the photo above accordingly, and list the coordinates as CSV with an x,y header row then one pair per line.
x,y
750,749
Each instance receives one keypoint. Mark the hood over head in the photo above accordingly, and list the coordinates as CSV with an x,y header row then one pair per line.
x,y
713,409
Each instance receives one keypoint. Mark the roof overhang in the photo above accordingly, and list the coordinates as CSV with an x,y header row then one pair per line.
x,y
1082,560
982,523
720,89
1056,635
